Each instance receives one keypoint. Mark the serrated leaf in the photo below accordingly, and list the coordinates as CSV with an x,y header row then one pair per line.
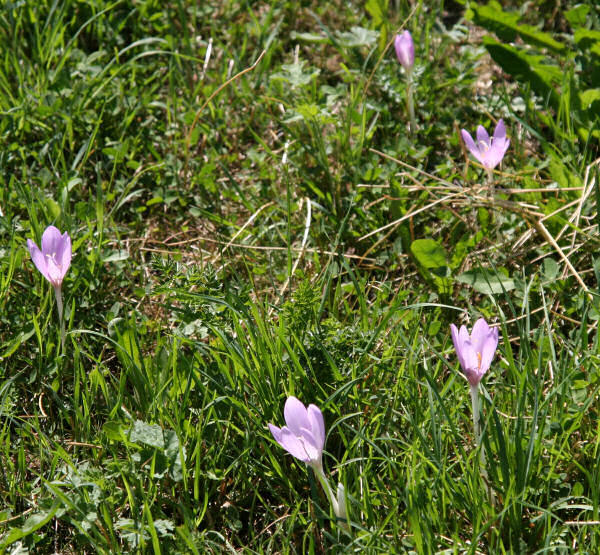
x,y
487,281
164,527
358,36
295,75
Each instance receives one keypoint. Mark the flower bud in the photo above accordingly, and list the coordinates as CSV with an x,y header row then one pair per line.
x,y
405,49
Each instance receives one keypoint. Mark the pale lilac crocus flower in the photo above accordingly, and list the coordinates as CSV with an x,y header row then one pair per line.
x,y
489,151
303,436
475,353
405,51
53,261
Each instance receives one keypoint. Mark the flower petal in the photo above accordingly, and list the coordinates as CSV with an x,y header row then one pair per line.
x,y
38,258
313,450
293,445
473,148
315,416
276,433
468,140
501,148
55,274
496,152
470,357
489,349
454,333
479,334
473,377
51,241
296,416
405,49
482,137
63,256
458,343
500,131
463,334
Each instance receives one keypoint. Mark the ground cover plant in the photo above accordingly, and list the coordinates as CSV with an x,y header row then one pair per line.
x,y
299,277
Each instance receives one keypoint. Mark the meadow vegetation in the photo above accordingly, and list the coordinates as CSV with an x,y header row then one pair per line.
x,y
253,218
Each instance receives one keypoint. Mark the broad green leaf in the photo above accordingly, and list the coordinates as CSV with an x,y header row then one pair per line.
x,y
550,269
577,16
53,208
506,26
32,524
173,455
588,97
114,431
527,68
432,259
487,281
148,434
115,256
586,38
429,253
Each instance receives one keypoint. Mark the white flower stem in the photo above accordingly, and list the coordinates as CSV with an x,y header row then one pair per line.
x,y
410,102
490,179
59,305
475,405
339,509
474,389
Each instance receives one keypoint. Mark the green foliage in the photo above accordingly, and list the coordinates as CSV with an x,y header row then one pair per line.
x,y
485,281
563,76
210,280
432,259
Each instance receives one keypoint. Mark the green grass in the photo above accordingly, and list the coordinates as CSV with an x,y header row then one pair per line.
x,y
203,291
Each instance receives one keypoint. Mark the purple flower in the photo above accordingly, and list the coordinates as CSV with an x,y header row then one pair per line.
x,y
475,353
304,433
54,259
405,49
488,150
